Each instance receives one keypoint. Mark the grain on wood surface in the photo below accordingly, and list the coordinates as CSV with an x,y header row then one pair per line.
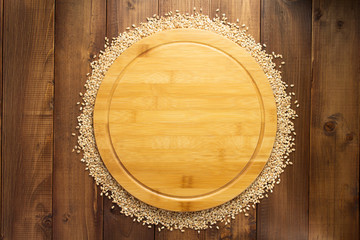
x,y
165,6
239,228
184,6
242,227
202,6
120,15
334,164
124,13
120,227
241,12
81,29
27,136
286,29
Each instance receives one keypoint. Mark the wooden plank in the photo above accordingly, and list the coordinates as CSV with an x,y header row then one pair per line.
x,y
286,29
120,15
27,136
80,33
334,166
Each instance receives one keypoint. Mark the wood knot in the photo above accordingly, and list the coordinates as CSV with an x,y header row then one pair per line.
x,y
130,4
339,24
349,137
329,127
66,217
46,221
317,14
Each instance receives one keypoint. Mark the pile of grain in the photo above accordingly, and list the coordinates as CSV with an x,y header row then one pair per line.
x,y
148,215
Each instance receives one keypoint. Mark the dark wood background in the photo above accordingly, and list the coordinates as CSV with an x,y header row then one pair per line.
x,y
46,47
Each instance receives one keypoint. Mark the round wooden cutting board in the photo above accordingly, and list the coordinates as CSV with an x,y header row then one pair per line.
x,y
185,120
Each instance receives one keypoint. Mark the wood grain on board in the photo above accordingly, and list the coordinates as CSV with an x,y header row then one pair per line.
x,y
120,15
27,130
286,29
334,168
80,26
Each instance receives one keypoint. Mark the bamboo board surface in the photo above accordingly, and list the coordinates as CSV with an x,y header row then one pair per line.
x,y
185,120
